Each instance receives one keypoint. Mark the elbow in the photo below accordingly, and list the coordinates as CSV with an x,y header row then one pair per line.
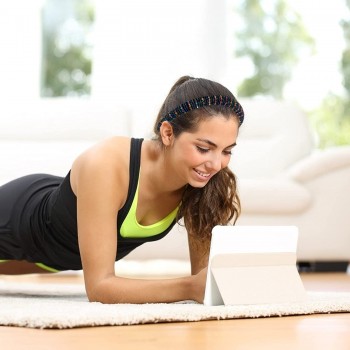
x,y
98,292
105,291
93,295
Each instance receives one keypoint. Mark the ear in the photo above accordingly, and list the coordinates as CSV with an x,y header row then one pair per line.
x,y
166,133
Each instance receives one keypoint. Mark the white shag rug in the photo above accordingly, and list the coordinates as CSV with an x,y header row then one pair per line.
x,y
66,306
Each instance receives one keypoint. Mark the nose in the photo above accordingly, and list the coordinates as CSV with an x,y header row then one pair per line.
x,y
215,163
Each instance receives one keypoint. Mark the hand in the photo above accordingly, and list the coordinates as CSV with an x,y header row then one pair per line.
x,y
199,282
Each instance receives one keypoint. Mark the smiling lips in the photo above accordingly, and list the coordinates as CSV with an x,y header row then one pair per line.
x,y
205,175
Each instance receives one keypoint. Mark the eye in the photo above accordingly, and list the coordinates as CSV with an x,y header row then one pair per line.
x,y
202,149
227,152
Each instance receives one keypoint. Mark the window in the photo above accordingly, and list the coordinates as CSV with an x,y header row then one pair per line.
x,y
67,27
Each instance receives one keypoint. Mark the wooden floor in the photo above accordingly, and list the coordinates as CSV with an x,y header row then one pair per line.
x,y
298,332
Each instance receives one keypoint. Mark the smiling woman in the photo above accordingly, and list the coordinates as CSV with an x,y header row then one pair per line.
x,y
217,202
124,192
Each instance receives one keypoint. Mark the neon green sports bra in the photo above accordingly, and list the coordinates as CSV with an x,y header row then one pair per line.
x,y
132,229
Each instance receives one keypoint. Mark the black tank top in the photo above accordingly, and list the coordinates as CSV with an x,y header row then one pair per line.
x,y
52,222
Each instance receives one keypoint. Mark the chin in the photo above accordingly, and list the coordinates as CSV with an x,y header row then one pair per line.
x,y
197,184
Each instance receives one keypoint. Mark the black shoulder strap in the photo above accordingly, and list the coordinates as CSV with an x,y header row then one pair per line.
x,y
134,171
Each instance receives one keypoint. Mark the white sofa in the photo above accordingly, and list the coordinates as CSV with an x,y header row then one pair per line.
x,y
283,179
45,136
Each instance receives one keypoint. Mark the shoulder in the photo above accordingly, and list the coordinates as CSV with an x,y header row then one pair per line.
x,y
106,154
107,161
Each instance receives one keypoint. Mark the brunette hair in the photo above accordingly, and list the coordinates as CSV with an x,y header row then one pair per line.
x,y
217,203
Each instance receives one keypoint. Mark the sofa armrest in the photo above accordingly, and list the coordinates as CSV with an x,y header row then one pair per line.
x,y
273,196
320,163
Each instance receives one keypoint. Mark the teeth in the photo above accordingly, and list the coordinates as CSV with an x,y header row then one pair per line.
x,y
202,174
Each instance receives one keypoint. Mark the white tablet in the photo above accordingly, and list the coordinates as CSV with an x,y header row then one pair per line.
x,y
237,240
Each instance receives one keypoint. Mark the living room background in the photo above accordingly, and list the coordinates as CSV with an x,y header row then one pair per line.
x,y
122,49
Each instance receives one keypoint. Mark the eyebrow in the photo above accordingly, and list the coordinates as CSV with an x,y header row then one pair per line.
x,y
213,144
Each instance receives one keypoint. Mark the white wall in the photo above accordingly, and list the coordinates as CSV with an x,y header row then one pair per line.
x,y
20,42
142,47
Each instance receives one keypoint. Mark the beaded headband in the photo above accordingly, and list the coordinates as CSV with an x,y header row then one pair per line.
x,y
216,100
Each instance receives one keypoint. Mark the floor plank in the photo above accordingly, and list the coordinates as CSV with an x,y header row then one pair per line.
x,y
331,331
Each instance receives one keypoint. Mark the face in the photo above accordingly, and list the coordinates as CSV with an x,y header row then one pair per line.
x,y
198,156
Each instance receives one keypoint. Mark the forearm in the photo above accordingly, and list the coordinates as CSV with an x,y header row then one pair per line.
x,y
114,290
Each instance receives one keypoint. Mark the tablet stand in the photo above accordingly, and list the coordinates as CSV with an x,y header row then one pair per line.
x,y
255,278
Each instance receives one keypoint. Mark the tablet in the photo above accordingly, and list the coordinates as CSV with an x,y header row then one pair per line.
x,y
256,242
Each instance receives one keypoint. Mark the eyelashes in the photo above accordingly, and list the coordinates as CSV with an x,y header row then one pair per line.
x,y
202,150
205,150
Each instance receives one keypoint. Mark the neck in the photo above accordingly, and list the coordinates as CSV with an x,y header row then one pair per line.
x,y
159,170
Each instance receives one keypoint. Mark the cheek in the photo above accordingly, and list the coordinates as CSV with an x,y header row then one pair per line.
x,y
190,155
225,161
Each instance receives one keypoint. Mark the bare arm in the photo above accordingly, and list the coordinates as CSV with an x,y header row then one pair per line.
x,y
199,253
100,193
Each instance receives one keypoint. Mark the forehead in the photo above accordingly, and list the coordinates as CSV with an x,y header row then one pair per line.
x,y
218,128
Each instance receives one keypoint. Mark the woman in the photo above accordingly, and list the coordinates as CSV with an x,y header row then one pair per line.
x,y
124,192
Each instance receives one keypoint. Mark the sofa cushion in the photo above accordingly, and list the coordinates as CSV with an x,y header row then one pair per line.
x,y
274,136
63,119
45,136
27,157
273,197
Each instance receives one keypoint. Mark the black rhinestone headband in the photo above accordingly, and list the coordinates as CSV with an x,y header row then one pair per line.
x,y
216,100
